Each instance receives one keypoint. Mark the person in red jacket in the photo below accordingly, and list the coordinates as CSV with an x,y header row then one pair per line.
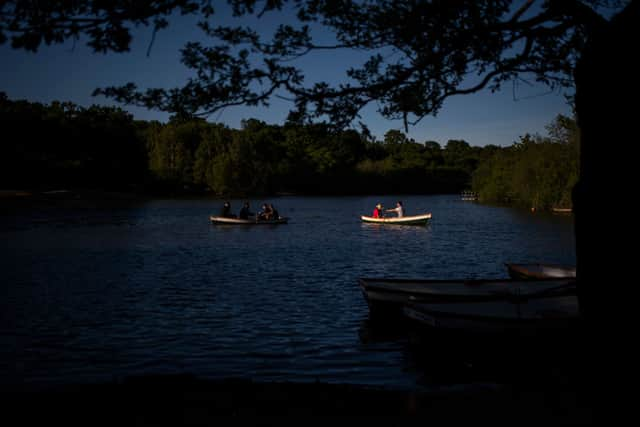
x,y
377,211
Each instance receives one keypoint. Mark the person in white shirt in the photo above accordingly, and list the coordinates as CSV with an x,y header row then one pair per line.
x,y
398,209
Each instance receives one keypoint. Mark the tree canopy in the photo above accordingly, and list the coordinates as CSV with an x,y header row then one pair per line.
x,y
536,172
419,52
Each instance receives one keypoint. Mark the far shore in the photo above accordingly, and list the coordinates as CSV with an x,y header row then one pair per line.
x,y
93,194
25,198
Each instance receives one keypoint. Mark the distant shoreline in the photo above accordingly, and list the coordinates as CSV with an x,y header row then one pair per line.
x,y
64,197
77,194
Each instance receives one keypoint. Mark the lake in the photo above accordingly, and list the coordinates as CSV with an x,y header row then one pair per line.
x,y
104,291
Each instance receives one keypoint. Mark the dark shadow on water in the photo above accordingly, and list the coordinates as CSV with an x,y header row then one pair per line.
x,y
454,358
471,380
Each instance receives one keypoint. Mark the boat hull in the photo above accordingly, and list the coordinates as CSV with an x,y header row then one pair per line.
x,y
497,317
405,220
238,221
540,271
387,297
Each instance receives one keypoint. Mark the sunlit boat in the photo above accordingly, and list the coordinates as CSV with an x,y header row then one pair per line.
x,y
540,271
238,221
386,297
405,220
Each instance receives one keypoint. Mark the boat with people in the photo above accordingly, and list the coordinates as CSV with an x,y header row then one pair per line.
x,y
386,297
540,271
378,216
255,221
405,220
267,215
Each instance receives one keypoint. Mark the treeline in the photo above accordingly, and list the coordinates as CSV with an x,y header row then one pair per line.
x,y
63,145
536,172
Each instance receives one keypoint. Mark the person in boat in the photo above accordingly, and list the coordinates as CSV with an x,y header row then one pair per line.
x,y
245,212
399,209
274,212
225,212
378,211
267,212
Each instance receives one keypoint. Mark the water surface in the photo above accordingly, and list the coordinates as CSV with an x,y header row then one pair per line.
x,y
102,292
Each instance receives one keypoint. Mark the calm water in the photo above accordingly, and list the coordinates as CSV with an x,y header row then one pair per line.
x,y
102,293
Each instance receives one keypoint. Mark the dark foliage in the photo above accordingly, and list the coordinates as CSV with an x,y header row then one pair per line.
x,y
64,145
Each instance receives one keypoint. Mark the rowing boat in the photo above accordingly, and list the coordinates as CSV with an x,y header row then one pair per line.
x,y
386,297
540,271
534,314
405,220
238,221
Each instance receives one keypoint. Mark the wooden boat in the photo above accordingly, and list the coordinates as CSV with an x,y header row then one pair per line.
x,y
540,271
522,315
386,297
238,221
405,220
562,210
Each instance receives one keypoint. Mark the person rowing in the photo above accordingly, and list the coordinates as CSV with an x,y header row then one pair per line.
x,y
398,209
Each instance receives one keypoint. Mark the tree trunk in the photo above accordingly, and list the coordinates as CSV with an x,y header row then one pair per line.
x,y
606,103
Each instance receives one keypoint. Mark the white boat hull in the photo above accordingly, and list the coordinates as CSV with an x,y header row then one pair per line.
x,y
238,221
405,220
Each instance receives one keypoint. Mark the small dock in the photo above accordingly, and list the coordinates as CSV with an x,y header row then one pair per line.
x,y
468,195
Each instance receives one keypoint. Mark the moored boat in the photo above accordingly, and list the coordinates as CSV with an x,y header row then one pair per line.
x,y
562,210
526,315
238,221
405,220
540,271
386,297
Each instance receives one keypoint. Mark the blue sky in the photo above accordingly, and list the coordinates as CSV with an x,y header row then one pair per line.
x,y
71,72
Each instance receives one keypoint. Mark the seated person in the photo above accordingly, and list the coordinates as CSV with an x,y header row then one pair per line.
x,y
377,211
274,212
245,212
225,212
266,213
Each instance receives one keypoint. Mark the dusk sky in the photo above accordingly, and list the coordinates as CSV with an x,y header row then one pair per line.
x,y
70,72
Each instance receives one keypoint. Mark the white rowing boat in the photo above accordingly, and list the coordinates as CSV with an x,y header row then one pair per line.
x,y
405,220
238,221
